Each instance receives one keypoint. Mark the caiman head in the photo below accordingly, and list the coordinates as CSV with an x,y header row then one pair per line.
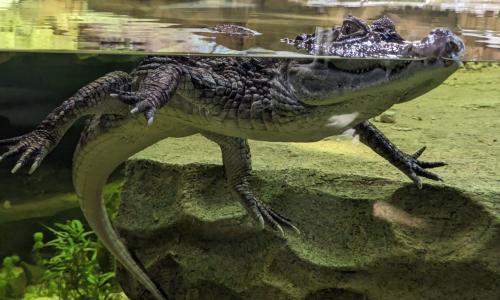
x,y
358,62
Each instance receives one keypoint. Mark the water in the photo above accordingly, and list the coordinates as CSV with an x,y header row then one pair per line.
x,y
182,26
366,231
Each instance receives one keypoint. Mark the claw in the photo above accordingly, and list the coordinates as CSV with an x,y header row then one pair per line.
x,y
26,155
430,165
419,152
277,221
413,176
280,216
255,212
150,121
273,223
34,167
262,213
7,142
427,174
37,162
32,149
283,220
262,223
297,231
148,112
16,168
280,230
10,153
415,168
150,116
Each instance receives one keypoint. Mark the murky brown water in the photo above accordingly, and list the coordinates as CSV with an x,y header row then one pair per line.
x,y
181,26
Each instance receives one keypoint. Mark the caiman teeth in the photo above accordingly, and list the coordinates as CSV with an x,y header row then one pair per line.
x,y
389,67
358,71
399,68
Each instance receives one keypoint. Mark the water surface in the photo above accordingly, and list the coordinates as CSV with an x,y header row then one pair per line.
x,y
180,27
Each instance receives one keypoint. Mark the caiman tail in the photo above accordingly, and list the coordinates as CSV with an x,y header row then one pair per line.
x,y
106,142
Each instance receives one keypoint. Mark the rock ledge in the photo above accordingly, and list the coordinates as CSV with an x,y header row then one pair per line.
x,y
362,237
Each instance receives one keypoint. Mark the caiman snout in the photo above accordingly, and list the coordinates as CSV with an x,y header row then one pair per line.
x,y
440,43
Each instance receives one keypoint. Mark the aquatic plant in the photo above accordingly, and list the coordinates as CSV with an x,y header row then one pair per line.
x,y
12,278
9,263
73,272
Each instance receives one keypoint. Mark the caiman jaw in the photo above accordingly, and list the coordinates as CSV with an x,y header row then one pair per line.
x,y
331,81
440,44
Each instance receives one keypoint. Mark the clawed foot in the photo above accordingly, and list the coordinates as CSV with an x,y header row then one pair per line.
x,y
264,214
414,168
32,149
143,102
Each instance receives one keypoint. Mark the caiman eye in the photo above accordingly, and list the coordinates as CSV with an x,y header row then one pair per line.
x,y
349,27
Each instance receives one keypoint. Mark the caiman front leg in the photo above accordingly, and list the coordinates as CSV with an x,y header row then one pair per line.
x,y
155,90
408,164
90,99
237,164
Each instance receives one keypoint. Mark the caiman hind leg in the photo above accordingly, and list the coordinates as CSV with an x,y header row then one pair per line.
x,y
237,164
90,99
408,164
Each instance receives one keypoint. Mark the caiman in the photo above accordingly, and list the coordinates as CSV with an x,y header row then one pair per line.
x,y
231,99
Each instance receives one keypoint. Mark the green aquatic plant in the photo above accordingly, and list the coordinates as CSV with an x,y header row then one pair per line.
x,y
12,278
37,247
37,241
10,262
73,272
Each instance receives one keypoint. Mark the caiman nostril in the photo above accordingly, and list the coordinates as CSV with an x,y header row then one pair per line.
x,y
439,43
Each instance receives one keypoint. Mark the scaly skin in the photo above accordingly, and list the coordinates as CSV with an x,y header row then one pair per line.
x,y
230,100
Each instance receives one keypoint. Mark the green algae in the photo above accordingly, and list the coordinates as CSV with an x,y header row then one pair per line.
x,y
367,232
384,243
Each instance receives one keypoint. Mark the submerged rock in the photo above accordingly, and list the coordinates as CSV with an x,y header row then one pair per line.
x,y
388,117
362,237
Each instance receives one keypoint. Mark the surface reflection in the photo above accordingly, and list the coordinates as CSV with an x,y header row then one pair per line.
x,y
183,26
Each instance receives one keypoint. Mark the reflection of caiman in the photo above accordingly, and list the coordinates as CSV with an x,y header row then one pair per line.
x,y
230,100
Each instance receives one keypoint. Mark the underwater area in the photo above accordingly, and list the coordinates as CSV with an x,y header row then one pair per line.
x,y
367,232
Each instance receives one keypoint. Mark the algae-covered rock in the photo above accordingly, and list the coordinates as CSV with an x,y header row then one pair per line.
x,y
362,237
388,117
